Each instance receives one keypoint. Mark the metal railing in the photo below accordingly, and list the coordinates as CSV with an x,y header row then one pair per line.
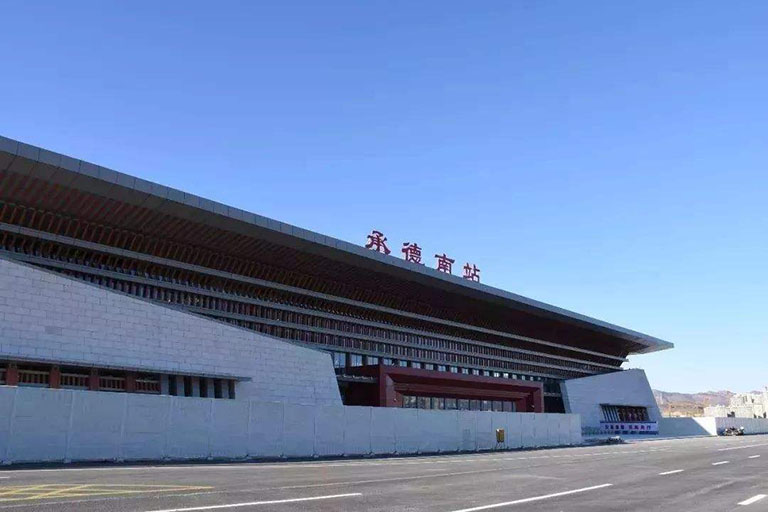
x,y
148,386
74,380
112,383
33,378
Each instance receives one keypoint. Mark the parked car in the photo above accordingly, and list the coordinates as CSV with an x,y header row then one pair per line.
x,y
732,431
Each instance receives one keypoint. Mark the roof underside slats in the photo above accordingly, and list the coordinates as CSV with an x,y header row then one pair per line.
x,y
127,212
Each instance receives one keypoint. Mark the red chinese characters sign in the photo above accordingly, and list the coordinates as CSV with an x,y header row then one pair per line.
x,y
376,241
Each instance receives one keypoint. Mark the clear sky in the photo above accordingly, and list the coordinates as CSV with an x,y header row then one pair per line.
x,y
606,157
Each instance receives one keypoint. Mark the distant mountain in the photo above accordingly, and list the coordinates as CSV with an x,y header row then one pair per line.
x,y
667,398
689,404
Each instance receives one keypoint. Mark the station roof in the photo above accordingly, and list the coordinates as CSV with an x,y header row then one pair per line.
x,y
24,159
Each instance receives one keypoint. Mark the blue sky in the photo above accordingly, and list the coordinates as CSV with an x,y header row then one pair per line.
x,y
607,157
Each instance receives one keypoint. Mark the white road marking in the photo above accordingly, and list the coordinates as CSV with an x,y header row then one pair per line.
x,y
753,457
721,463
741,447
535,498
753,499
4,477
253,503
672,472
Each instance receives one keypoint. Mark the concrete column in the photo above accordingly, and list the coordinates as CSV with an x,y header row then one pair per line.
x,y
12,375
164,386
130,382
224,388
210,388
195,386
54,377
180,386
93,380
232,385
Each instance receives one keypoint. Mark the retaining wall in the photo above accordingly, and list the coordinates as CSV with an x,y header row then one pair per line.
x,y
38,424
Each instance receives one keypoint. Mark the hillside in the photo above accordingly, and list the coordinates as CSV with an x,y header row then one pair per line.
x,y
689,404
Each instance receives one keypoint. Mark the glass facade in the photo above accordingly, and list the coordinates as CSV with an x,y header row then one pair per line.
x,y
463,404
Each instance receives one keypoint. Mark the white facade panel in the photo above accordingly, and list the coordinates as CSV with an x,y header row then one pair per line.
x,y
52,318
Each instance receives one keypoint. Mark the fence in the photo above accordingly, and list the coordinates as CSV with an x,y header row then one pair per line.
x,y
39,424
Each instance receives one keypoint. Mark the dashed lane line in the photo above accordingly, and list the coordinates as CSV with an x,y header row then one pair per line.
x,y
753,457
674,471
535,498
254,503
753,499
721,463
741,447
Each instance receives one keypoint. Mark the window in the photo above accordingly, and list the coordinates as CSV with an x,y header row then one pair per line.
x,y
423,402
624,413
371,360
415,364
386,361
355,360
402,363
429,366
339,359
450,403
463,404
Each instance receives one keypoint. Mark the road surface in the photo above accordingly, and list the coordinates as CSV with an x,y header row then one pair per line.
x,y
697,474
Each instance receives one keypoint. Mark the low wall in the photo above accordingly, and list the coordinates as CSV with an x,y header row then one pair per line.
x,y
39,424
679,427
709,426
751,425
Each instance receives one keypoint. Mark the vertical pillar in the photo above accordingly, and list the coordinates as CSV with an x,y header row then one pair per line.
x,y
93,380
180,385
54,377
232,384
224,388
12,375
536,401
195,386
164,387
210,389
130,382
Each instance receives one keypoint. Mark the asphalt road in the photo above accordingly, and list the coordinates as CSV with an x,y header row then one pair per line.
x,y
701,474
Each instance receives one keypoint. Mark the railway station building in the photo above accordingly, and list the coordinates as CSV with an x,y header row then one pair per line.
x,y
113,283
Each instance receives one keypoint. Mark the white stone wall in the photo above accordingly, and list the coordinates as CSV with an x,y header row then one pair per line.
x,y
49,317
682,427
629,387
39,424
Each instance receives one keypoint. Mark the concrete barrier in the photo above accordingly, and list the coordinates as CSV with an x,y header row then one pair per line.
x,y
40,424
751,425
709,426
